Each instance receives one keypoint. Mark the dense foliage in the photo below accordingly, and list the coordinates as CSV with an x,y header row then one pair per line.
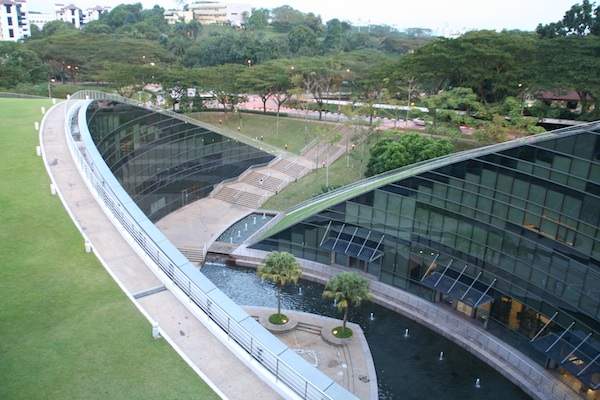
x,y
477,74
392,153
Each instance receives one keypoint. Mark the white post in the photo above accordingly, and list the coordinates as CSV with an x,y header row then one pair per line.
x,y
38,151
53,189
68,97
155,331
53,101
88,246
37,125
43,109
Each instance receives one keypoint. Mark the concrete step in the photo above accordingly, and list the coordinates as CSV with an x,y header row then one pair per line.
x,y
241,198
195,255
264,182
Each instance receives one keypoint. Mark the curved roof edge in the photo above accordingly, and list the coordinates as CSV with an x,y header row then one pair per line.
x,y
243,327
321,202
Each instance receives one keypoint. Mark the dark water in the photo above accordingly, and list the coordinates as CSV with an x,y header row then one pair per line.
x,y
407,368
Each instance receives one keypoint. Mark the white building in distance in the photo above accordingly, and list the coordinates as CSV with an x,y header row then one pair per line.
x,y
209,12
70,13
14,22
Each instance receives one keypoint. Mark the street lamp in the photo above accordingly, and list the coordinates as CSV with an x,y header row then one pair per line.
x,y
522,98
50,87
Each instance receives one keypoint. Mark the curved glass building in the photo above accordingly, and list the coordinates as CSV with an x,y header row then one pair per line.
x,y
507,235
164,162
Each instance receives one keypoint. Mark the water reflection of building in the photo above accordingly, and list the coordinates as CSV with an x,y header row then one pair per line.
x,y
507,235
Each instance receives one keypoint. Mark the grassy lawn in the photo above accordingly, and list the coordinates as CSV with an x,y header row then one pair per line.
x,y
296,133
343,171
66,329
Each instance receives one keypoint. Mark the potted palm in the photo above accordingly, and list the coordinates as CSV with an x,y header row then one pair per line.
x,y
347,289
282,269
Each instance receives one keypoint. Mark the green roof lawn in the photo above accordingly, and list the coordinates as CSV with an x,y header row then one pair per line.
x,y
66,329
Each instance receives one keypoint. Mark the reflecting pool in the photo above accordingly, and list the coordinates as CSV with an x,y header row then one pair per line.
x,y
408,368
244,228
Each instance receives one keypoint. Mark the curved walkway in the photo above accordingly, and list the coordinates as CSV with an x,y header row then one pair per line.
x,y
211,359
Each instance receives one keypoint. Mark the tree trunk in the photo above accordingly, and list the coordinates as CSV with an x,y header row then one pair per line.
x,y
279,300
264,101
345,319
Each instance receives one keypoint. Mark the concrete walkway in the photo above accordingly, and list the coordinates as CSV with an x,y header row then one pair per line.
x,y
207,355
350,365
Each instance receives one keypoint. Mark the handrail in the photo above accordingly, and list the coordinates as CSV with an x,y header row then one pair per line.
x,y
284,364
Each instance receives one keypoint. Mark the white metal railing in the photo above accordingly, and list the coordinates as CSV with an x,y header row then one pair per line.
x,y
91,171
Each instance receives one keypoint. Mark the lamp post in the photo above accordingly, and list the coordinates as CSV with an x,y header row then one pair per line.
x,y
50,82
522,98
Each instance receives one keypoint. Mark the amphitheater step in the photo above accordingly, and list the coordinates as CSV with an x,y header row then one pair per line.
x,y
263,181
290,168
195,255
241,198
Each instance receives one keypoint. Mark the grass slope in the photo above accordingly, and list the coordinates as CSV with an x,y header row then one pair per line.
x,y
296,133
66,329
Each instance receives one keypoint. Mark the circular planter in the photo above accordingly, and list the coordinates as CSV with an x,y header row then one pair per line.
x,y
327,335
288,326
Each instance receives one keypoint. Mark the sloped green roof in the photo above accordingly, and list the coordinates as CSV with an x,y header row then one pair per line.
x,y
322,202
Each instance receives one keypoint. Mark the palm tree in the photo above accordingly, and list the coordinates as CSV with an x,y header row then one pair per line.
x,y
281,268
347,289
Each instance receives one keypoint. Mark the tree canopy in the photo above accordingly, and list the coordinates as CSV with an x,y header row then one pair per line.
x,y
392,153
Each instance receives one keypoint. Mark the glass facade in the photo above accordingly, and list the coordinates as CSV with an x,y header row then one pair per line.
x,y
165,163
516,230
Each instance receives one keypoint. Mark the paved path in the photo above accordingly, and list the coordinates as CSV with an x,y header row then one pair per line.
x,y
350,365
207,354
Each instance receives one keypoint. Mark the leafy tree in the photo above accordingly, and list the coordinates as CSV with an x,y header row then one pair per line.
x,y
348,289
564,64
19,65
54,27
410,148
282,269
123,14
302,40
456,99
223,82
334,35
97,27
232,48
580,20
317,76
286,18
268,80
490,63
258,19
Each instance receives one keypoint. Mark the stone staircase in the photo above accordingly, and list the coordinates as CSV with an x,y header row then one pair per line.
x,y
291,168
239,197
262,181
195,255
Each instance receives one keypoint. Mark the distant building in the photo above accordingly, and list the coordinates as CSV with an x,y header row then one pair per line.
x,y
174,16
209,12
94,13
40,19
14,22
71,14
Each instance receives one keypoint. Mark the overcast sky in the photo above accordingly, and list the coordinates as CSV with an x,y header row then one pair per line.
x,y
443,16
